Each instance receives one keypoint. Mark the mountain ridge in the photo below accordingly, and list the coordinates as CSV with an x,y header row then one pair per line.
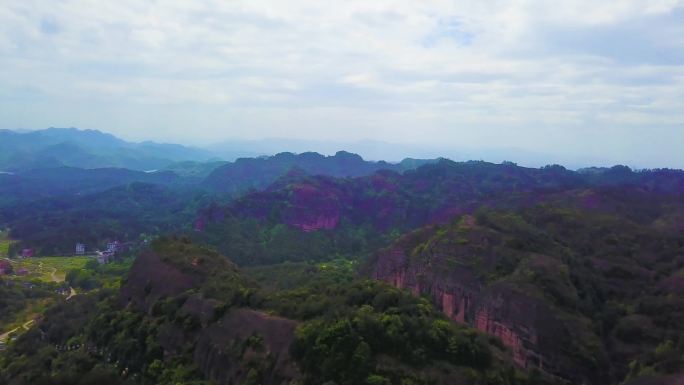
x,y
87,149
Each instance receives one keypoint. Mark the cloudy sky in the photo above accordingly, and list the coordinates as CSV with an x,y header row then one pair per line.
x,y
586,79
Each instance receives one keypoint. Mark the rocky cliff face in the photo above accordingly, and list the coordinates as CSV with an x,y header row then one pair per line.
x,y
151,278
312,208
242,339
457,267
228,348
465,300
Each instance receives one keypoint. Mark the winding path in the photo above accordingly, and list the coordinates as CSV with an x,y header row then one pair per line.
x,y
53,276
27,325
4,336
72,293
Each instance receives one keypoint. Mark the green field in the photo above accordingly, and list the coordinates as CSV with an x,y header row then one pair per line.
x,y
49,269
4,244
4,248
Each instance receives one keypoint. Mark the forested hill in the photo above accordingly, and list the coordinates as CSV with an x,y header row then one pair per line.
x,y
259,173
32,185
375,206
187,315
314,216
597,271
55,147
51,209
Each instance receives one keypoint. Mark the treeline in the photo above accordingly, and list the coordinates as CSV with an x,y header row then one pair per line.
x,y
54,226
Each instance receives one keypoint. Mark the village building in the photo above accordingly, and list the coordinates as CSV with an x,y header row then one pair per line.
x,y
27,253
110,252
80,249
65,291
113,247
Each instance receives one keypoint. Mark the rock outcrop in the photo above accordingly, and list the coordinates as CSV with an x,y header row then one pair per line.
x,y
227,348
242,339
456,268
151,278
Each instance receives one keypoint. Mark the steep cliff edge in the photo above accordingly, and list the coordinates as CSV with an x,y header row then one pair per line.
x,y
585,285
475,277
194,296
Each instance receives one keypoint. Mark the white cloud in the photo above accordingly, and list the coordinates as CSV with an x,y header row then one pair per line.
x,y
270,68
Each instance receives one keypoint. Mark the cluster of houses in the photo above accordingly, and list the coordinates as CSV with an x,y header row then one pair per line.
x,y
109,253
103,257
80,249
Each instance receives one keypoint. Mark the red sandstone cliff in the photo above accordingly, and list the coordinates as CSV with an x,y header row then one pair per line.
x,y
455,267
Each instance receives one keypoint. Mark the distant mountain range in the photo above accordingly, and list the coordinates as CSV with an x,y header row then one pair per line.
x,y
395,152
57,147
22,150
259,173
71,147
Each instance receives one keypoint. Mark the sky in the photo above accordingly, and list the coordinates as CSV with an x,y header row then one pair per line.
x,y
584,79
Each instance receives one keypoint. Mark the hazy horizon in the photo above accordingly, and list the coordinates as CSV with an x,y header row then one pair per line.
x,y
579,82
374,150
